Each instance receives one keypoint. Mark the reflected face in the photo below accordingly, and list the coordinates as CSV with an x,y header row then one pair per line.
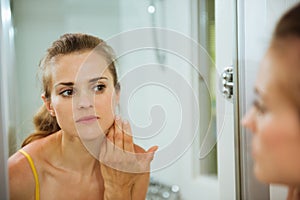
x,y
274,122
83,96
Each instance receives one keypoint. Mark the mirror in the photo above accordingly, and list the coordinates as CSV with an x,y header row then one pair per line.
x,y
166,68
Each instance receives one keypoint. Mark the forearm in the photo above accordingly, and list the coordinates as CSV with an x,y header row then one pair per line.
x,y
140,187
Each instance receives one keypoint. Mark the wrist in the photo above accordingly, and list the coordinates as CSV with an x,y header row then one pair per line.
x,y
116,192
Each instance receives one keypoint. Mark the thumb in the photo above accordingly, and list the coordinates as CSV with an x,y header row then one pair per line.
x,y
152,149
150,153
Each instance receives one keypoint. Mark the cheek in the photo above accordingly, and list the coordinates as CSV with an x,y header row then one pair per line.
x,y
275,146
266,139
104,107
278,133
274,139
264,147
63,108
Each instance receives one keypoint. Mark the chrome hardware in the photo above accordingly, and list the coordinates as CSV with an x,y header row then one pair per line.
x,y
227,83
161,191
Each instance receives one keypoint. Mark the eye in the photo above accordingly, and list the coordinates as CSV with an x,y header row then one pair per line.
x,y
67,93
260,108
99,88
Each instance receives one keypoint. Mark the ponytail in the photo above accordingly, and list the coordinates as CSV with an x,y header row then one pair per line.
x,y
45,125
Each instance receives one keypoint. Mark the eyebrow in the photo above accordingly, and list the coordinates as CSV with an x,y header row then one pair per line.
x,y
97,79
90,81
259,94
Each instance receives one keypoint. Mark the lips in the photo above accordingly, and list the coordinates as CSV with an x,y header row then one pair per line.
x,y
87,119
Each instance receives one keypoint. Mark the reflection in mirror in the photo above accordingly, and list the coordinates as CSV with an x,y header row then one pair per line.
x,y
155,110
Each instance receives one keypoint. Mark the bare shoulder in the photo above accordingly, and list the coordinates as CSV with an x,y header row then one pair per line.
x,y
21,180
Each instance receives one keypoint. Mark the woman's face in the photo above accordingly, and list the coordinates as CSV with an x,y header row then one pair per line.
x,y
82,95
275,123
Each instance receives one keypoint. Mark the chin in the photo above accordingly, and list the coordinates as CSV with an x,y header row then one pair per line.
x,y
90,133
90,137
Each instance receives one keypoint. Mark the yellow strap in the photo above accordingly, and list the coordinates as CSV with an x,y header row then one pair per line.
x,y
37,186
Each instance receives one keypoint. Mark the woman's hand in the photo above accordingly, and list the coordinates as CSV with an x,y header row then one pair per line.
x,y
124,164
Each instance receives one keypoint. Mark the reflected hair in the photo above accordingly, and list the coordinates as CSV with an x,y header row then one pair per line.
x,y
45,124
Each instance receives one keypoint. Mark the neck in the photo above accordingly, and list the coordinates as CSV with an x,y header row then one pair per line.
x,y
74,155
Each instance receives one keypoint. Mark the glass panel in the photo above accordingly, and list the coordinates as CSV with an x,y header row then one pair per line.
x,y
208,133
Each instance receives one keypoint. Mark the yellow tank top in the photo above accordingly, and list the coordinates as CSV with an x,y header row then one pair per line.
x,y
36,179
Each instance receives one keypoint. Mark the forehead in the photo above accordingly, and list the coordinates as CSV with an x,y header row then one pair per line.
x,y
266,76
79,67
275,72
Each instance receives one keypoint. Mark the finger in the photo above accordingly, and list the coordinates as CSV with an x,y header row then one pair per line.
x,y
118,134
103,150
110,134
127,134
107,153
150,153
110,143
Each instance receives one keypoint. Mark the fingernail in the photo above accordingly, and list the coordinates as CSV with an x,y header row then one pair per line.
x,y
125,121
118,117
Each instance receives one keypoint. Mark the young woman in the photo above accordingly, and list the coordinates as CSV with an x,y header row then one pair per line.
x,y
274,118
80,149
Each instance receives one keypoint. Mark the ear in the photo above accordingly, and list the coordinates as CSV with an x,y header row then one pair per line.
x,y
117,97
48,105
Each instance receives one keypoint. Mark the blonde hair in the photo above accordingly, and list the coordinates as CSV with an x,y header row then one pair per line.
x,y
44,123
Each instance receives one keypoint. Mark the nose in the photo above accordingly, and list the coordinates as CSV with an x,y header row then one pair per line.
x,y
248,120
84,100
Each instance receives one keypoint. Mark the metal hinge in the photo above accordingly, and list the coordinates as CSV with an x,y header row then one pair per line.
x,y
227,83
